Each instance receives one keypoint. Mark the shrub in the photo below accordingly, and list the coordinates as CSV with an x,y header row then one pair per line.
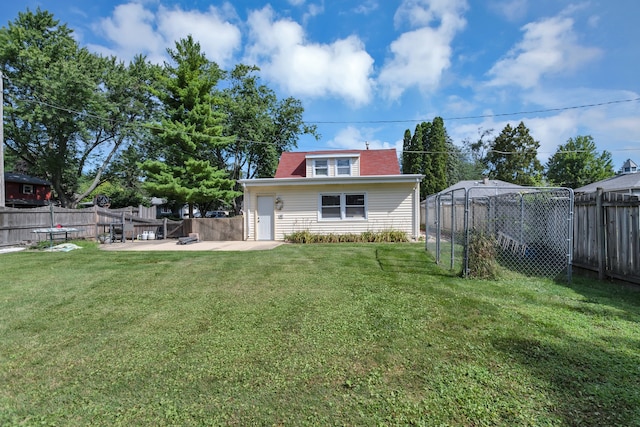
x,y
482,255
389,236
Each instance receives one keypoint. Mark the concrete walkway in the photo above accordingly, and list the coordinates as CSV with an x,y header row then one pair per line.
x,y
172,245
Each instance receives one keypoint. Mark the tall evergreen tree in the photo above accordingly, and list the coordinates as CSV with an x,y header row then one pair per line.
x,y
190,169
436,157
430,152
412,154
426,187
513,157
407,157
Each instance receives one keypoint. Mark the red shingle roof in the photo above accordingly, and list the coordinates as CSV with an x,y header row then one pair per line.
x,y
372,162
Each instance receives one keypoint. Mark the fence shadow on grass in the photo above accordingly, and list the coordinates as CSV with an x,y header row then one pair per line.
x,y
613,299
414,260
591,383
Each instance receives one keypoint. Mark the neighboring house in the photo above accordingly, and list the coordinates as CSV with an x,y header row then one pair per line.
x,y
171,210
342,191
628,167
23,191
483,188
627,183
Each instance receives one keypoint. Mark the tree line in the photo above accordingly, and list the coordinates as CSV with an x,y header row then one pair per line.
x,y
511,156
185,131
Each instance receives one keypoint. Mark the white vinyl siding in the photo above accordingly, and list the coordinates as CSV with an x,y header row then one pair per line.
x,y
341,166
388,207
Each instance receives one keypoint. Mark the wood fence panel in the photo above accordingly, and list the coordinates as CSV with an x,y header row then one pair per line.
x,y
17,225
620,227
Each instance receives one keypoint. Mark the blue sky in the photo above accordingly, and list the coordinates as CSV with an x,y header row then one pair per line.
x,y
366,70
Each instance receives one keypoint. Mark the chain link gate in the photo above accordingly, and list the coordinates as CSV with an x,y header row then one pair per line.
x,y
528,230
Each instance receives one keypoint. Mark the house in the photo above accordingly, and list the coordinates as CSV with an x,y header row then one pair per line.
x,y
23,191
340,191
629,166
626,183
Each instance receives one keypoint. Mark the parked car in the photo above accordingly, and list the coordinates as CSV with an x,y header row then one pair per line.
x,y
215,214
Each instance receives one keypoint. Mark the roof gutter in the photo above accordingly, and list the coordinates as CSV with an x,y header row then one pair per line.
x,y
368,179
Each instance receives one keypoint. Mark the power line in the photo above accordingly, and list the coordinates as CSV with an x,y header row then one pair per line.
x,y
241,140
483,116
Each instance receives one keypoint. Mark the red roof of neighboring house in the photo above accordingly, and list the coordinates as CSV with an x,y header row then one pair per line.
x,y
372,162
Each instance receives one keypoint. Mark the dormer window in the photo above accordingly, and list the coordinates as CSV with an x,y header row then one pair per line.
x,y
343,167
321,167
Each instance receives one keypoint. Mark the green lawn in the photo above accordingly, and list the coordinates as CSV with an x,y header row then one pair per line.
x,y
346,334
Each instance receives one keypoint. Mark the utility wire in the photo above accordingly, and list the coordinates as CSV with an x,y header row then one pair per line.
x,y
200,135
483,116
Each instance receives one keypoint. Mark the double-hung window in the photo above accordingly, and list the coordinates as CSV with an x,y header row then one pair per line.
x,y
321,167
349,206
354,206
27,189
343,167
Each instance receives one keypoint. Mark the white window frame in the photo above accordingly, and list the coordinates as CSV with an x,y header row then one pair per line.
x,y
28,189
347,167
316,167
343,206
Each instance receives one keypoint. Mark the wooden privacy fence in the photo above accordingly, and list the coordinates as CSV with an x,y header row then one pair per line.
x,y
215,229
17,225
607,235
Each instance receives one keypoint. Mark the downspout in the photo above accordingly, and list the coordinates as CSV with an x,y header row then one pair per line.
x,y
245,210
416,211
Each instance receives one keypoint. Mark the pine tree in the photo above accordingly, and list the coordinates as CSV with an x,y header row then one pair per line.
x,y
190,168
437,156
513,157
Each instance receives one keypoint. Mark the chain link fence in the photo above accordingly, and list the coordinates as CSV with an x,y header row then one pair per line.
x,y
482,230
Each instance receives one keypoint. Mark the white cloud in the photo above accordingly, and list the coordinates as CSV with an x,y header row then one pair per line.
x,y
133,29
512,10
549,46
313,10
614,127
352,138
301,68
367,7
420,56
218,38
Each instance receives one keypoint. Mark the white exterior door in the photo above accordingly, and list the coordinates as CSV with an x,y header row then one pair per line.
x,y
265,218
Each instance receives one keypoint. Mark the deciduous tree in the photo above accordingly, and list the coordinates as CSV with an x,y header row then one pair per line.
x,y
262,126
577,163
68,112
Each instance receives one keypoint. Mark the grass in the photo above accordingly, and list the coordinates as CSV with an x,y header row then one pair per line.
x,y
349,334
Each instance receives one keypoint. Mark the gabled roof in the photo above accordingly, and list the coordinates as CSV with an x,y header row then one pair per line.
x,y
24,179
372,162
629,164
623,182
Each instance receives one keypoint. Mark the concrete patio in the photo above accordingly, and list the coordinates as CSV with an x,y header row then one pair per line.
x,y
172,245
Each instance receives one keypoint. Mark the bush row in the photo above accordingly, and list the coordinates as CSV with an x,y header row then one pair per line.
x,y
388,236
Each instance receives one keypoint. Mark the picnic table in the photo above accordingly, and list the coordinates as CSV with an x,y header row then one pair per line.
x,y
51,231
